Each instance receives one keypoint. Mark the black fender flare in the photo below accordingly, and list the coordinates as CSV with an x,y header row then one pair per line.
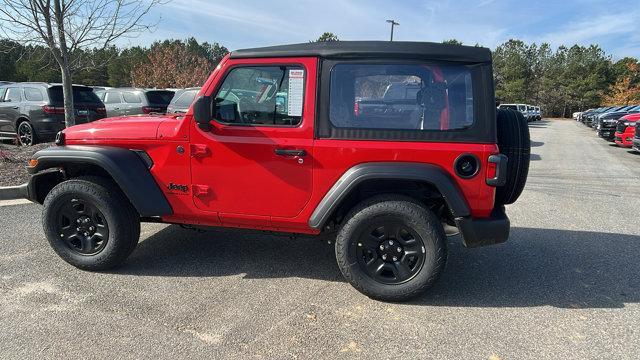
x,y
127,169
428,173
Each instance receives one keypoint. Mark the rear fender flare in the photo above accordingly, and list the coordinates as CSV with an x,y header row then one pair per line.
x,y
428,173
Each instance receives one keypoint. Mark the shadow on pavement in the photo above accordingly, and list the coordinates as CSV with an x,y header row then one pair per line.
x,y
536,267
536,143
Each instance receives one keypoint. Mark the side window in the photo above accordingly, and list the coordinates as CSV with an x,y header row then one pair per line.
x,y
261,95
111,97
185,100
2,91
13,95
401,96
33,94
131,98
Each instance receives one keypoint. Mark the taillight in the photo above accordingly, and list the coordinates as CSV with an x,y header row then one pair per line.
x,y
53,109
356,108
101,110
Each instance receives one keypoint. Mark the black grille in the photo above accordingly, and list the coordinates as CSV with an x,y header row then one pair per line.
x,y
607,125
621,127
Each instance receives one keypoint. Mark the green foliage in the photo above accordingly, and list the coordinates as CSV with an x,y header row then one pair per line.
x,y
110,66
452,42
328,36
560,81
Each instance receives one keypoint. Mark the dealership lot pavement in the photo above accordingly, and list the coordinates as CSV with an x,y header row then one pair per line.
x,y
565,286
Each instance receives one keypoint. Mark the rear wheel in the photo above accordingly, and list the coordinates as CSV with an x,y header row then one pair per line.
x,y
514,142
391,248
26,134
90,224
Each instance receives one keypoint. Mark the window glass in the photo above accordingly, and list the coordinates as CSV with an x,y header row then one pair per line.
x,y
262,95
2,91
185,100
100,95
13,95
111,97
33,94
401,96
159,97
514,107
81,95
131,98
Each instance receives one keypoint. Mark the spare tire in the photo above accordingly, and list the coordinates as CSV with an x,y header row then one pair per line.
x,y
514,142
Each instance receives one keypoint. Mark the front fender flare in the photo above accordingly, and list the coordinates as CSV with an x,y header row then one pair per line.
x,y
428,173
125,167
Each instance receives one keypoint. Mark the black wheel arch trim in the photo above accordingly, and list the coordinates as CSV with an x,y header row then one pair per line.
x,y
385,170
125,167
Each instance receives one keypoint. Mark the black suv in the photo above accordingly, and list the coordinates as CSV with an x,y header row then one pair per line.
x,y
35,111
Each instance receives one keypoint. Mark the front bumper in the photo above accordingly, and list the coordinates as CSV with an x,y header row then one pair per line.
x,y
624,139
636,144
607,133
483,232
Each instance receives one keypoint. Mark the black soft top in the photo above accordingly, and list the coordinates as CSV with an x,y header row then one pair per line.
x,y
372,49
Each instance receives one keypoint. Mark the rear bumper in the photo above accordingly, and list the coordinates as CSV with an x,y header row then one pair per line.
x,y
483,232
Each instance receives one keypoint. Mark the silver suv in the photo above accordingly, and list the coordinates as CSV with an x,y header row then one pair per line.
x,y
134,101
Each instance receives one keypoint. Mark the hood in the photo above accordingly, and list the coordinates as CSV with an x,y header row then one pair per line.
x,y
631,117
129,127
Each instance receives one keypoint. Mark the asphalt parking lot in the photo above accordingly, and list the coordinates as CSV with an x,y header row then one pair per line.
x,y
565,286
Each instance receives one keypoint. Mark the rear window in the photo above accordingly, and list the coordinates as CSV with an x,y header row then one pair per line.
x,y
159,97
185,99
401,96
81,95
514,107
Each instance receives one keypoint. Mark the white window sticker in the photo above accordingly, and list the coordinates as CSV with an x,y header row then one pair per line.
x,y
296,87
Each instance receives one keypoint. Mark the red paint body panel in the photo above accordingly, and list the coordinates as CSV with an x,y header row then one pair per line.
x,y
241,182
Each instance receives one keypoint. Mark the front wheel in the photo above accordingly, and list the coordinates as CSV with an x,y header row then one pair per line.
x,y
391,248
26,134
90,224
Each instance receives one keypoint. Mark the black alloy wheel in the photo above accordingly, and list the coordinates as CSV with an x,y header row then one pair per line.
x,y
390,252
82,226
26,134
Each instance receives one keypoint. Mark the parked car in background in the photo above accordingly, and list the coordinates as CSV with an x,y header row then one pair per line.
x,y
538,113
593,116
522,108
607,122
35,111
626,130
531,113
182,100
636,139
576,115
134,101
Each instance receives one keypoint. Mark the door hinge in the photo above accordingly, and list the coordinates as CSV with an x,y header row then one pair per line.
x,y
200,190
199,151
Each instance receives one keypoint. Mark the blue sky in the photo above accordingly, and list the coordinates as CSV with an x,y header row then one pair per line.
x,y
614,24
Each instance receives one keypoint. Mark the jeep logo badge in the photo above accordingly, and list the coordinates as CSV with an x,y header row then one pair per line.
x,y
179,187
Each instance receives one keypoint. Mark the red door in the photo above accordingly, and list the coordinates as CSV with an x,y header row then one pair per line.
x,y
257,160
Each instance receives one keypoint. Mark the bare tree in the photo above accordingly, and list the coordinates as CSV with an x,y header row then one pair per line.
x,y
65,26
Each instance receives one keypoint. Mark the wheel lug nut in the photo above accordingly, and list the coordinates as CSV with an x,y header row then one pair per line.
x,y
92,228
384,256
390,242
399,249
381,247
78,221
395,258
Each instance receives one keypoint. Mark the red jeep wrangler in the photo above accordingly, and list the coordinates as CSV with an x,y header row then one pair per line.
x,y
274,142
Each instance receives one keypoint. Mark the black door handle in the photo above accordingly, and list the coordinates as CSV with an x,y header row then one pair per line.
x,y
291,152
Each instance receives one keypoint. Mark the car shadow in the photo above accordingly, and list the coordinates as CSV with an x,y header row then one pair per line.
x,y
536,267
536,143
534,157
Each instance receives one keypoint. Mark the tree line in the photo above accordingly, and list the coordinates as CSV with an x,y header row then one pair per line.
x,y
560,80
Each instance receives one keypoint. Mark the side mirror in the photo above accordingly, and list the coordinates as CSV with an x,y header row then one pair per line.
x,y
202,112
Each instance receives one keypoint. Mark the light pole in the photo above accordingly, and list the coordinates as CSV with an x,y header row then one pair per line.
x,y
393,23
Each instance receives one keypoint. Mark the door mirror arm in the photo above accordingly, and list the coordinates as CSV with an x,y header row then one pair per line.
x,y
202,112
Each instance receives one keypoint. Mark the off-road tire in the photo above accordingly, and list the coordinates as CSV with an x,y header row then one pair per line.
x,y
413,215
514,142
122,219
